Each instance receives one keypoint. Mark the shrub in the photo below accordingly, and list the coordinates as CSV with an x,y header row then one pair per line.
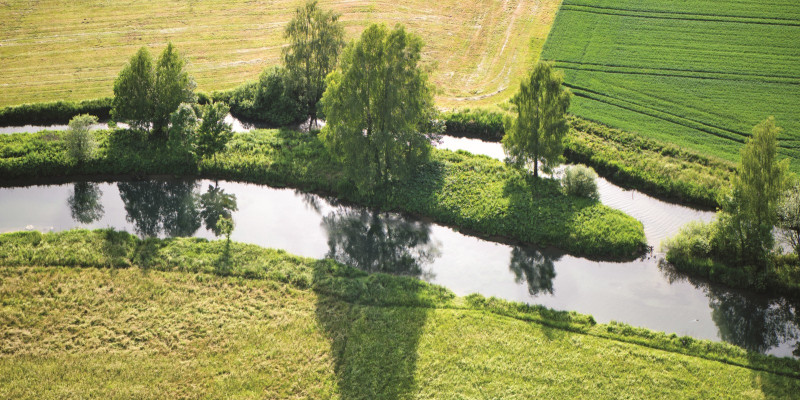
x,y
268,100
80,141
477,124
580,180
58,112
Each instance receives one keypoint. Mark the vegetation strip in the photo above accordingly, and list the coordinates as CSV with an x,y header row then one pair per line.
x,y
469,192
112,249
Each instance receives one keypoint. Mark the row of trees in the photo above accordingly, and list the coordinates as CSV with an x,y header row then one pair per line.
x,y
378,103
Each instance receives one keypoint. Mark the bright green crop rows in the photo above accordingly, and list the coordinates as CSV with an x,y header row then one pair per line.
x,y
698,73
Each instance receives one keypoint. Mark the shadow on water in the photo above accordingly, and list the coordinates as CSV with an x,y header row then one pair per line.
x,y
753,322
84,202
380,242
535,267
174,208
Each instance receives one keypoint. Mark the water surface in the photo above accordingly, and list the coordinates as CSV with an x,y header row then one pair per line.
x,y
643,293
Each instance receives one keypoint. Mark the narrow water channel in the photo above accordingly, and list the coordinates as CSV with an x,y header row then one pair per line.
x,y
641,293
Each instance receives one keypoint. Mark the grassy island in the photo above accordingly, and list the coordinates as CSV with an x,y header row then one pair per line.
x,y
474,193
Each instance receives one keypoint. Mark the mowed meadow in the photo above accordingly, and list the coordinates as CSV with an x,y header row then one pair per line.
x,y
699,74
72,50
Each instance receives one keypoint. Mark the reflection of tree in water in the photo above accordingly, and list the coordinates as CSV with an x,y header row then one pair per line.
x,y
380,242
534,267
754,324
84,202
749,321
216,204
173,208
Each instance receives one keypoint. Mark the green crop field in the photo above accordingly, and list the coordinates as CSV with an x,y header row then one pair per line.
x,y
73,50
697,73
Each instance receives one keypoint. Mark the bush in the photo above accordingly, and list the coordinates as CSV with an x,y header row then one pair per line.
x,y
59,112
80,141
269,100
580,180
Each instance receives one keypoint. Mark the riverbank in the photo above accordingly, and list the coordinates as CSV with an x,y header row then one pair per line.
x,y
661,170
474,193
103,312
690,252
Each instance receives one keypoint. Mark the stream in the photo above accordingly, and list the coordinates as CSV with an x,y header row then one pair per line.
x,y
644,292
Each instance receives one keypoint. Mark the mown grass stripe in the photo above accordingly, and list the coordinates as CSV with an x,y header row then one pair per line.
x,y
678,15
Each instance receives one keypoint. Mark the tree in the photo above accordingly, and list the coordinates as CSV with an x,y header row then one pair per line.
x,y
536,134
183,128
789,216
750,210
173,86
80,141
214,133
145,95
315,38
378,106
133,90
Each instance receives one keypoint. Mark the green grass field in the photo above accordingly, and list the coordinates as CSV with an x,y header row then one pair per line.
x,y
699,74
103,315
72,50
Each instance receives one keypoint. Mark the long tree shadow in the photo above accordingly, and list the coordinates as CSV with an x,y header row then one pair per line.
x,y
374,321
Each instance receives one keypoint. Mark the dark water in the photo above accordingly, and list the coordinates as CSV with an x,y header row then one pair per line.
x,y
641,293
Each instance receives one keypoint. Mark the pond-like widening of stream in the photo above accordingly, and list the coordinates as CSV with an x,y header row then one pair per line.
x,y
645,292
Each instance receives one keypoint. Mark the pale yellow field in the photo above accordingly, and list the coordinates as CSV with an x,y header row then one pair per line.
x,y
72,50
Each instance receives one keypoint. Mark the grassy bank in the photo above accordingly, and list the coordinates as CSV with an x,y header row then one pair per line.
x,y
630,160
104,314
663,170
679,72
692,252
480,50
474,193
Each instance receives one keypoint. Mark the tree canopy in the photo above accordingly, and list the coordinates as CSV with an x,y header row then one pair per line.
x,y
750,209
379,105
315,38
536,134
213,133
145,94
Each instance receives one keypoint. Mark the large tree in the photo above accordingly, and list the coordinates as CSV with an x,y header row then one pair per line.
x,y
173,86
133,91
536,135
750,210
146,94
315,38
379,106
